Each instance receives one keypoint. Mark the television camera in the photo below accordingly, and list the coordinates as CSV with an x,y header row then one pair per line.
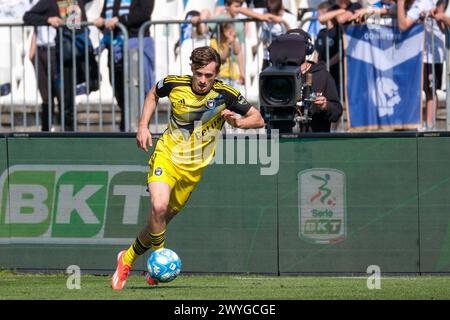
x,y
286,97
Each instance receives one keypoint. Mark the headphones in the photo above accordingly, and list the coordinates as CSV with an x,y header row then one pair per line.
x,y
306,37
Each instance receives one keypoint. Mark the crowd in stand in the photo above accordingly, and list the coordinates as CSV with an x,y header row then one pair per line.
x,y
333,14
131,13
228,38
407,12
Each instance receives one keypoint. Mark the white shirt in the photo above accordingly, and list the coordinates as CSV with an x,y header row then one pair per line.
x,y
383,20
271,30
431,27
45,35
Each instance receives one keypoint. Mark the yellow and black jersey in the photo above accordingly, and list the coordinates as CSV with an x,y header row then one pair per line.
x,y
195,122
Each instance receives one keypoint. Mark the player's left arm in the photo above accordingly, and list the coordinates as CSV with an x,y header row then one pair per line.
x,y
251,120
237,104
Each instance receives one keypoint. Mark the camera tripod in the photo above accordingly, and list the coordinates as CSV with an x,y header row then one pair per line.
x,y
302,119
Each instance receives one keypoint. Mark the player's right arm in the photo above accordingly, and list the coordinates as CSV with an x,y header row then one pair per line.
x,y
143,136
161,89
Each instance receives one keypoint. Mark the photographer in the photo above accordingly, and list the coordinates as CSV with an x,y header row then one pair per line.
x,y
326,107
295,90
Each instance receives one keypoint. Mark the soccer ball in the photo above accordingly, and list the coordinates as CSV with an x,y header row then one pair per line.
x,y
164,265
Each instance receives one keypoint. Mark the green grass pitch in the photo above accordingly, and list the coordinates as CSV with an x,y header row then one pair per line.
x,y
224,287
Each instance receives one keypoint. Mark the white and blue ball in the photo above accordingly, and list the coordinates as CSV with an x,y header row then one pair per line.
x,y
164,265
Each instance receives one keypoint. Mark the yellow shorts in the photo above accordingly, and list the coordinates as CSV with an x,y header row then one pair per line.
x,y
182,182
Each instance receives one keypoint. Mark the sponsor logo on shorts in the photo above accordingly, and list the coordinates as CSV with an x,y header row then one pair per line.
x,y
158,171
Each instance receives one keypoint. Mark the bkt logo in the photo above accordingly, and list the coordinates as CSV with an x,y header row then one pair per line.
x,y
72,203
322,205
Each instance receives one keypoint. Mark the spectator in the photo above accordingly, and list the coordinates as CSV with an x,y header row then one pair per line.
x,y
43,47
406,18
282,20
376,9
439,15
231,71
330,34
193,34
56,13
344,13
233,8
132,14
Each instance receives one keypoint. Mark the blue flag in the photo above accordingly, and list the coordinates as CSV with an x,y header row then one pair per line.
x,y
383,77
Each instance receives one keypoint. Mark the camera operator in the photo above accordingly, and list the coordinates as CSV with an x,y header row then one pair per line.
x,y
326,107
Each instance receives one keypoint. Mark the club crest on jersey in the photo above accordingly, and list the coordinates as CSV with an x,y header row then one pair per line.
x,y
210,104
158,171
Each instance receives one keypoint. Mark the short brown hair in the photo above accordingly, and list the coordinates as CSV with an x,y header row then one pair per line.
x,y
230,2
203,56
274,6
326,5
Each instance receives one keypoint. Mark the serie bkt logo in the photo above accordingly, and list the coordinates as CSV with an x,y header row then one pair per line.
x,y
322,207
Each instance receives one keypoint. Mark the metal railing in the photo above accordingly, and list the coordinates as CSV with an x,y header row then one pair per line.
x,y
73,92
390,21
97,110
172,32
76,112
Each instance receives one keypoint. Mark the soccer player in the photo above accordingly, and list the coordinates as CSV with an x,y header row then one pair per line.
x,y
200,106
